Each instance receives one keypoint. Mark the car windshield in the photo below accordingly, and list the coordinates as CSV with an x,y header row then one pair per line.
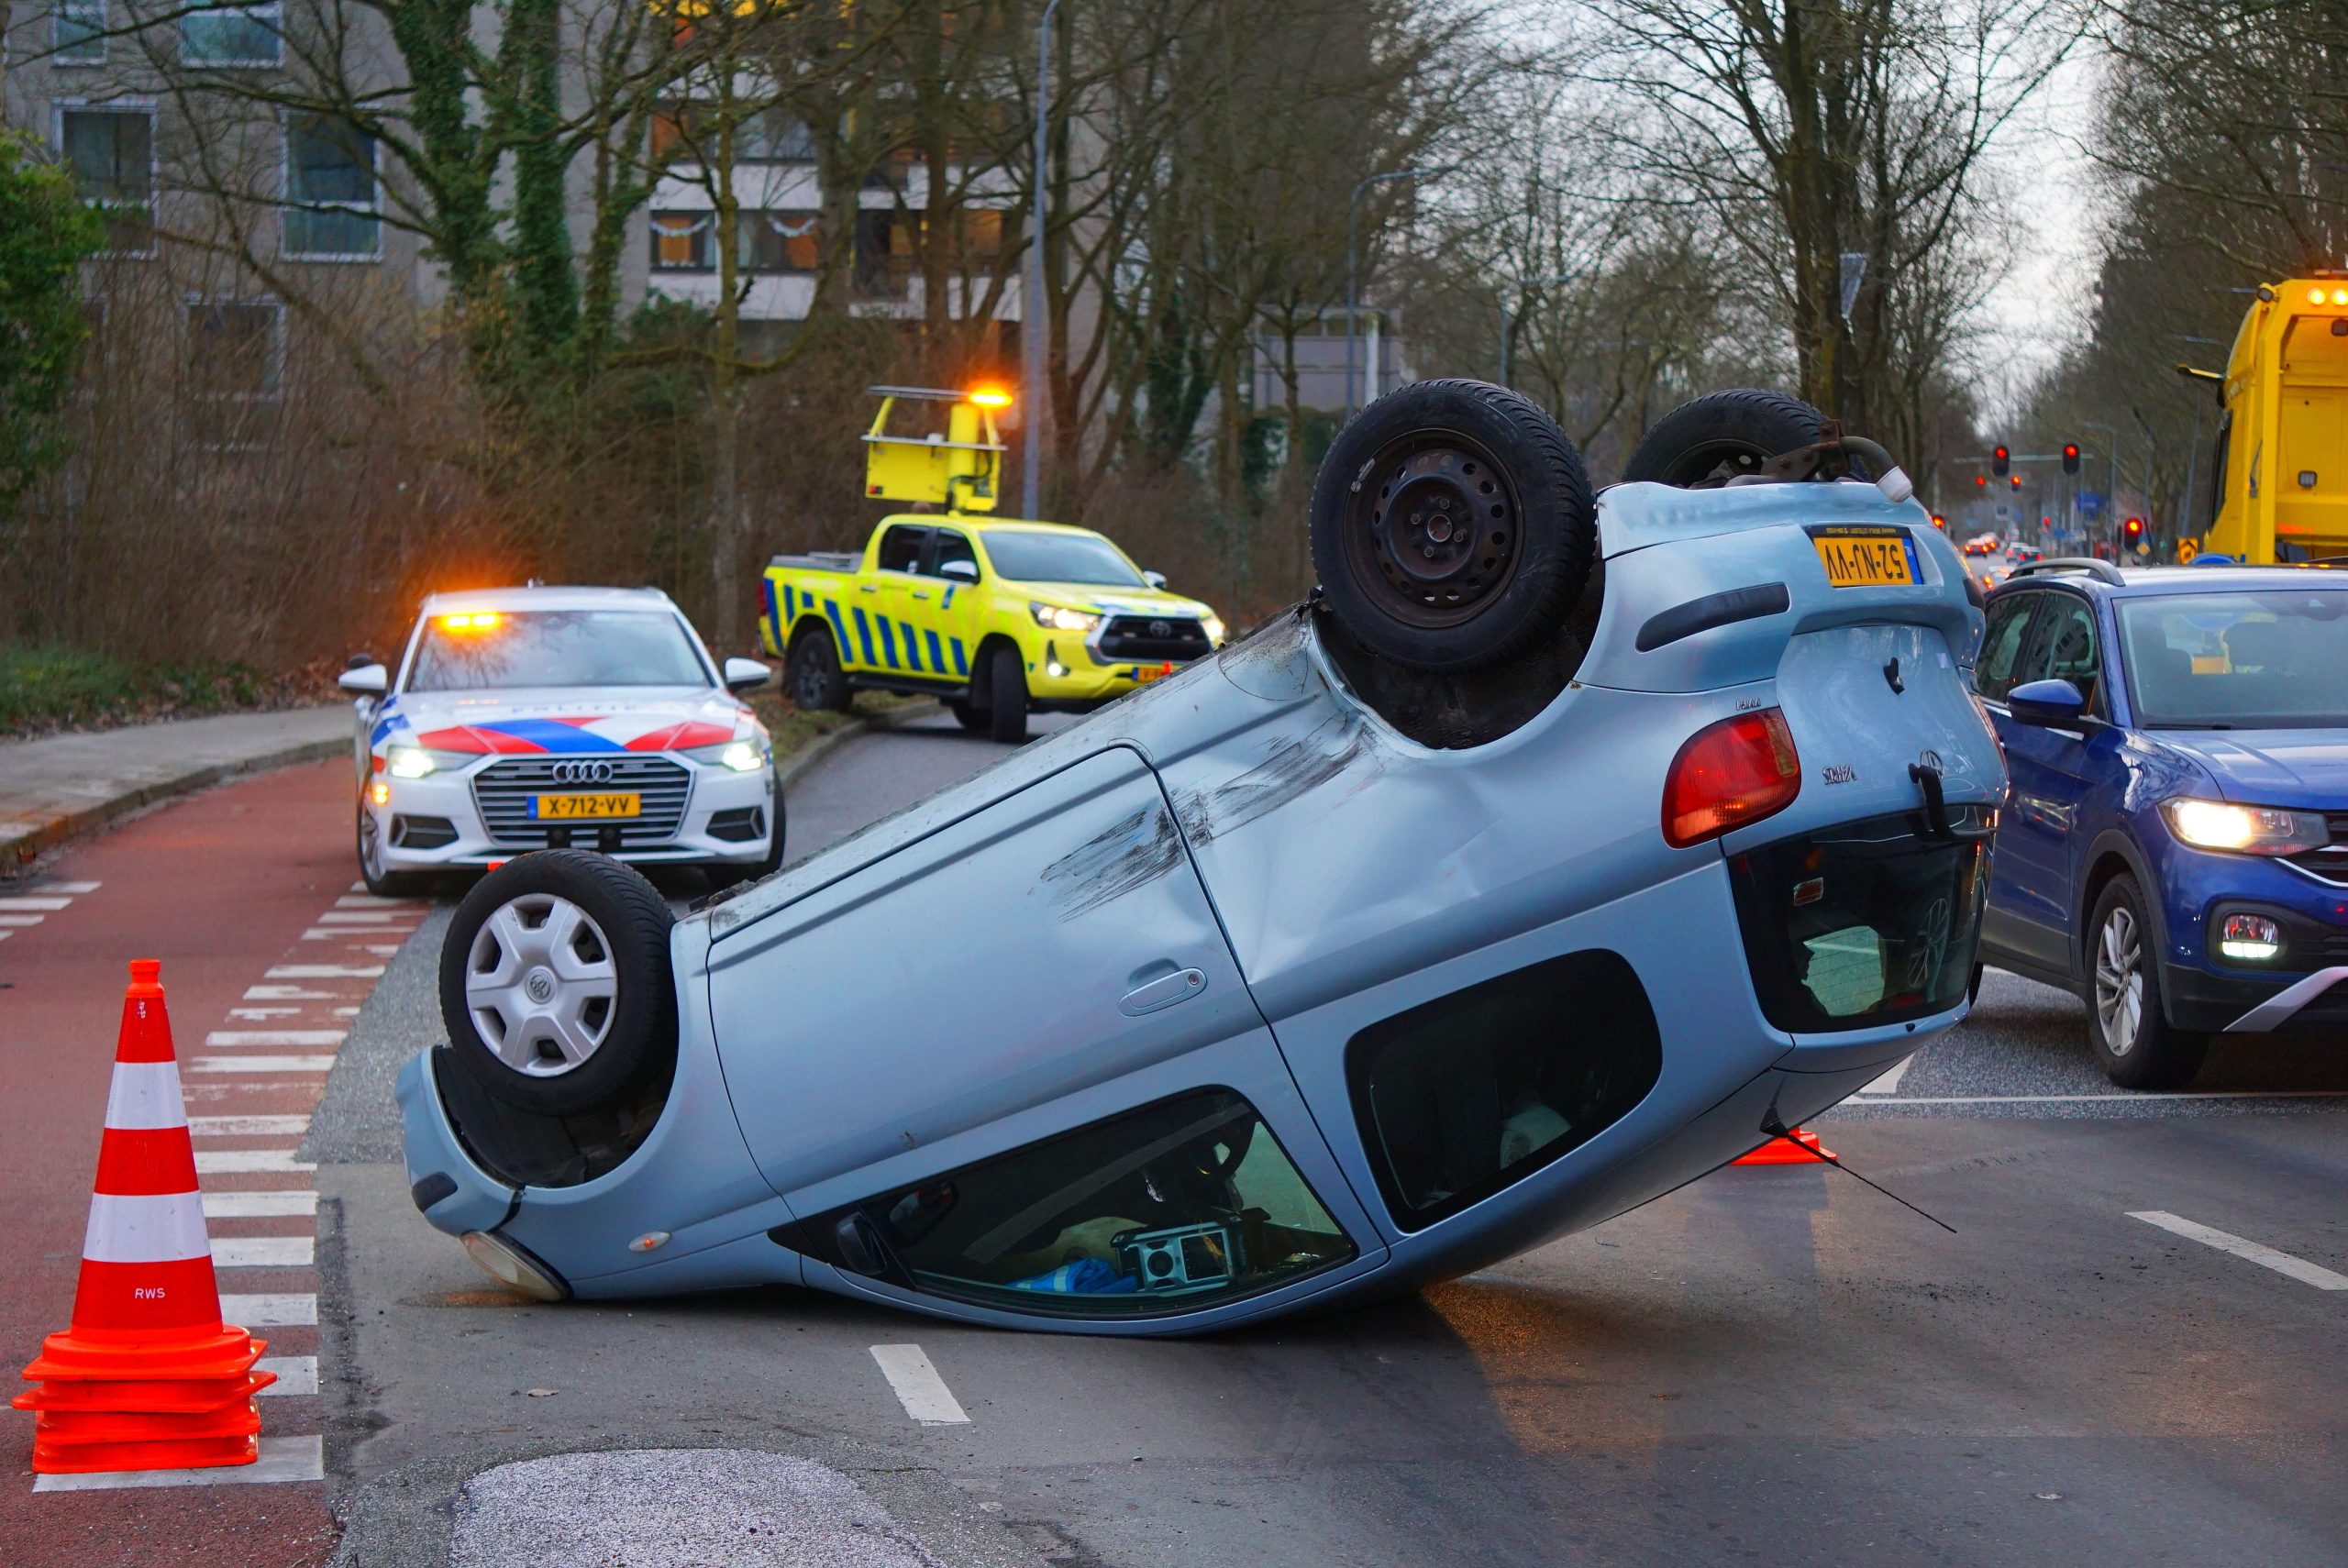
x,y
477,650
1060,557
2275,659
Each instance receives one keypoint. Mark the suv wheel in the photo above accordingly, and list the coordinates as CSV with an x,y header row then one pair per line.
x,y
2132,1036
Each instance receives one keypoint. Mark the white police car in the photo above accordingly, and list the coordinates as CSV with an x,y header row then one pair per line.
x,y
530,718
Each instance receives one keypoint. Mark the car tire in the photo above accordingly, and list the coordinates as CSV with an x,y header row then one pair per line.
x,y
725,874
1710,440
968,715
817,682
382,883
1007,698
2132,1037
533,950
1398,562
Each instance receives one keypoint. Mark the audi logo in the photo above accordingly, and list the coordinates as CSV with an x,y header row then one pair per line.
x,y
1160,629
582,773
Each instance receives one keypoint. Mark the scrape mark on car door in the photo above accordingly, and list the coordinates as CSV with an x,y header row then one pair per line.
x,y
1128,854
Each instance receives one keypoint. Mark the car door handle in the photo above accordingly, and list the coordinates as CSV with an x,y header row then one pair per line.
x,y
866,587
1164,992
920,594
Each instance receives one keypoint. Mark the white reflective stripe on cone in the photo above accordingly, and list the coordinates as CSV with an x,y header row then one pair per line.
x,y
166,1228
145,1096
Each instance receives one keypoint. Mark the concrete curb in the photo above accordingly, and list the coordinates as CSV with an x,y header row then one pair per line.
x,y
17,847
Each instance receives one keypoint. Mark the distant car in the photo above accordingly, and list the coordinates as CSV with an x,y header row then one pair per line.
x,y
1458,910
536,718
2176,851
1981,545
2019,554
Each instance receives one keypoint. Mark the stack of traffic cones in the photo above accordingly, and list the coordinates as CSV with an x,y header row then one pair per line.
x,y
1794,1148
147,1377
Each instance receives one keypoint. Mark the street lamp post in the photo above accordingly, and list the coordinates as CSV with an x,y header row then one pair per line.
x,y
1353,310
1032,327
1509,295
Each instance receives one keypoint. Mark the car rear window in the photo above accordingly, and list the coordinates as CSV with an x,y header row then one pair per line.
x,y
487,649
2273,659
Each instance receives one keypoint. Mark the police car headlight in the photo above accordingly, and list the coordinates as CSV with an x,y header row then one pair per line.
x,y
409,762
741,755
1214,624
1061,619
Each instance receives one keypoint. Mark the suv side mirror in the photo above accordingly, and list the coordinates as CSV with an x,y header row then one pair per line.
x,y
960,571
1155,578
365,680
2044,702
746,674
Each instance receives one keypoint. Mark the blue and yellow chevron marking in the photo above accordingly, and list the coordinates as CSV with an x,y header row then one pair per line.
x,y
888,638
947,602
936,654
774,616
864,633
839,627
961,665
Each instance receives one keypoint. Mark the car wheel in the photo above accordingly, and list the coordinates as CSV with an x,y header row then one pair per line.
x,y
968,715
1973,987
727,874
817,682
382,883
2131,1034
1712,439
554,983
1006,697
1452,525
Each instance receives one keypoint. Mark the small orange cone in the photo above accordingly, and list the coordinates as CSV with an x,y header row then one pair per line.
x,y
1784,1152
147,1377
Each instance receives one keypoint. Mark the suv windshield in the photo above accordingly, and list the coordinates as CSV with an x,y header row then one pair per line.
x,y
1060,557
476,650
2275,659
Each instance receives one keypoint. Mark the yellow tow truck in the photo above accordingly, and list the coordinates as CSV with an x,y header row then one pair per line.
x,y
999,617
2280,490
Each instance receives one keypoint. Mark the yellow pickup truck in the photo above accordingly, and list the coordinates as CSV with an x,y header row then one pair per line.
x,y
2280,494
1001,617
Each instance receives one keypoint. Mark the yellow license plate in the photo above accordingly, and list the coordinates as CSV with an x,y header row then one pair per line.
x,y
1148,672
1866,560
569,808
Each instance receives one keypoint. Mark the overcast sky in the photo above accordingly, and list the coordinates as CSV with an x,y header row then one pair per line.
x,y
2041,306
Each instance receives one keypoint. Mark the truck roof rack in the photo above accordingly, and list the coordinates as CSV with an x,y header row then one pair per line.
x,y
2103,571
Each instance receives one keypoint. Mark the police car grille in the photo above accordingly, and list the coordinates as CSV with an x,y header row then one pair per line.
x,y
504,791
1135,636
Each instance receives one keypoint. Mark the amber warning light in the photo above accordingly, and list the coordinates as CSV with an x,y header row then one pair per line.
x,y
472,621
991,397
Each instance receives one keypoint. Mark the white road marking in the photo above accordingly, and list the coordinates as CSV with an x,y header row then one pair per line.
x,y
236,1162
247,1126
296,1375
288,993
2084,1099
258,1205
21,919
282,1459
275,1037
374,901
27,901
263,1014
72,887
324,972
263,1251
2300,1269
346,1013
919,1389
1890,1081
264,1063
287,1309
362,917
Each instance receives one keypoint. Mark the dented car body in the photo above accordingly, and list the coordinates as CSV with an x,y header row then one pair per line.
x,y
1233,997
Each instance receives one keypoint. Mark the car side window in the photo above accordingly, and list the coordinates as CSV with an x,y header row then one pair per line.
x,y
901,548
2065,648
951,547
1997,670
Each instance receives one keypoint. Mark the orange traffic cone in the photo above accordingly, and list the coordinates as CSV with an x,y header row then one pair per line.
x,y
1796,1148
147,1377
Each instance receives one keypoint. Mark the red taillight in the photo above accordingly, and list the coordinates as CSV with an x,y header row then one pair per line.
x,y
1734,772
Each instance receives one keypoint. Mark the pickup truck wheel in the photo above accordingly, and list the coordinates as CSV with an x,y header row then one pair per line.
x,y
2132,1037
971,718
816,679
1706,442
1006,697
1452,525
554,983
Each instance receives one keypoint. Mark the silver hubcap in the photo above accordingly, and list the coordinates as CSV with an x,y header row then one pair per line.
x,y
540,985
371,845
2120,981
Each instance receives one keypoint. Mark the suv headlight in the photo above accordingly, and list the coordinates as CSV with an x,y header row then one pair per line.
x,y
1213,624
2248,830
746,755
419,762
1060,619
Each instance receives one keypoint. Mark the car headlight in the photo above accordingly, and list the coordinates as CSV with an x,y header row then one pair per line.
x,y
2249,829
1213,624
744,756
419,762
1058,618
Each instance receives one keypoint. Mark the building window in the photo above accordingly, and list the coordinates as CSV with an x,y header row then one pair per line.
x,y
112,154
682,133
233,349
982,238
330,190
233,36
681,242
780,242
80,33
883,255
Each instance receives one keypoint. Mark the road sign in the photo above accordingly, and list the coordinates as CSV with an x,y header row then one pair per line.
x,y
2090,504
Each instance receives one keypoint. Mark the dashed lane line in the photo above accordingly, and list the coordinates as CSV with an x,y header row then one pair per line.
x,y
919,1389
282,1459
2281,1263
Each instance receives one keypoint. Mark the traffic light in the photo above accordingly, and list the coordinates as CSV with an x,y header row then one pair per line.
x,y
2070,457
1940,522
2014,480
1980,480
2133,530
2000,459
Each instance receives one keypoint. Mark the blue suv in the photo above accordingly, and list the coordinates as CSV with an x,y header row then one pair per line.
x,y
2175,849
